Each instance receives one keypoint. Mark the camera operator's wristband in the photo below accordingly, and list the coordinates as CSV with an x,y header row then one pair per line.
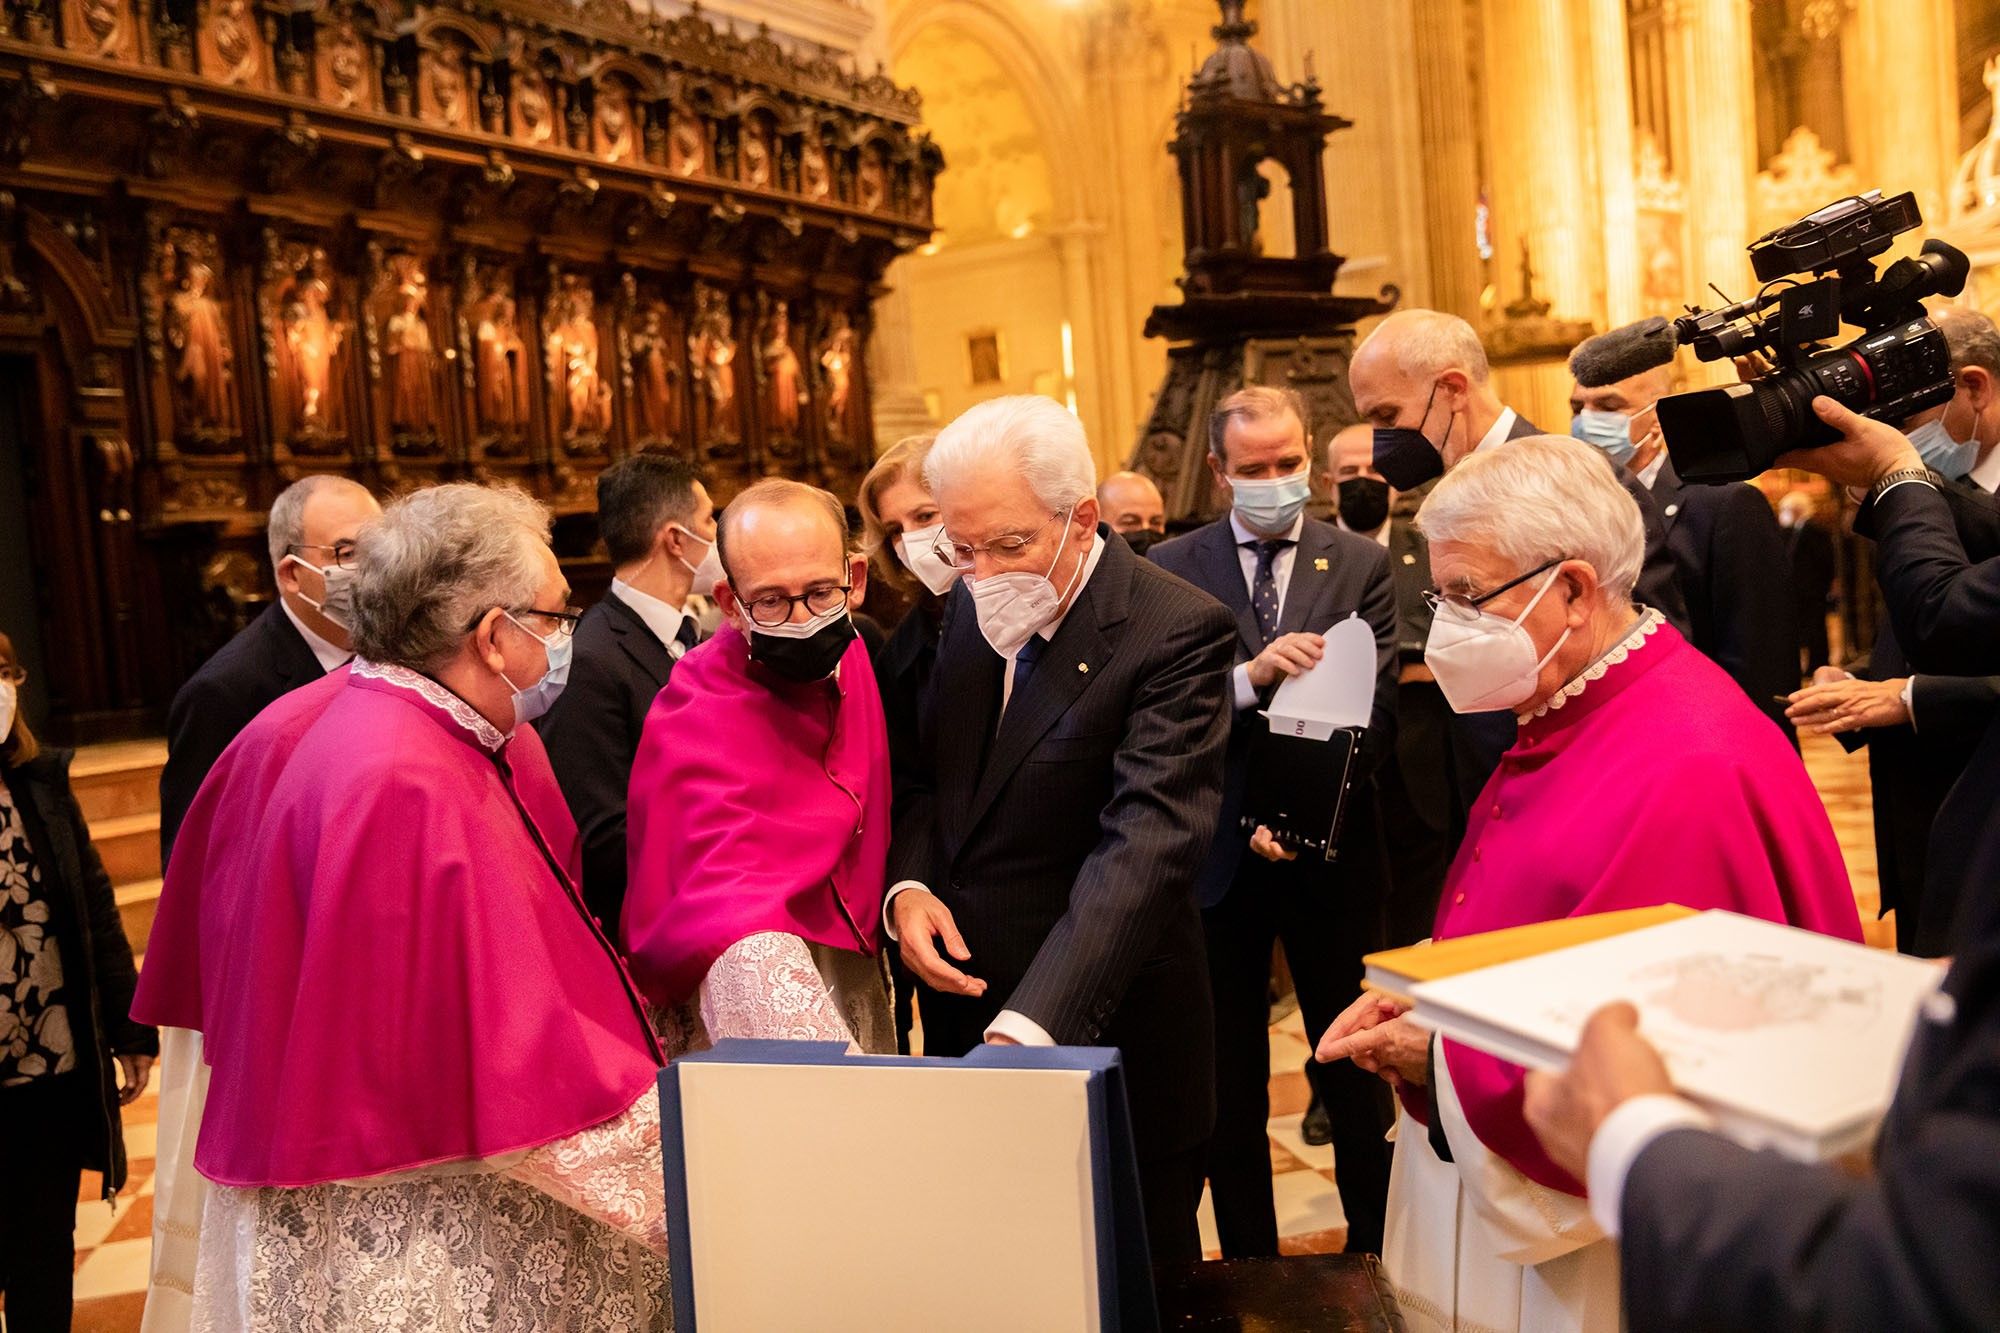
x,y
1895,479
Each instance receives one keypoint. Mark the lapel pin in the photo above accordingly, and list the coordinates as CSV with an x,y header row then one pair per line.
x,y
1409,560
1083,667
1320,564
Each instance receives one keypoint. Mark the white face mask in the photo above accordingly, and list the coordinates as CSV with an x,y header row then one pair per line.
x,y
338,578
917,550
1011,607
709,572
9,697
532,701
1489,663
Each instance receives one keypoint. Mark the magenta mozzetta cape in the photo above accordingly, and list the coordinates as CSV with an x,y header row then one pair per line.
x,y
1658,783
757,804
371,918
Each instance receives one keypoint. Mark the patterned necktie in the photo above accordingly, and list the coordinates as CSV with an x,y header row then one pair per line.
x,y
1264,588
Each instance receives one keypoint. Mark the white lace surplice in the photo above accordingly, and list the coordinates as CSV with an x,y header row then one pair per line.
x,y
568,1236
776,987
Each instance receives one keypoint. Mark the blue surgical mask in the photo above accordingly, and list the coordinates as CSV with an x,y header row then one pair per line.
x,y
1609,431
537,699
1271,506
1942,454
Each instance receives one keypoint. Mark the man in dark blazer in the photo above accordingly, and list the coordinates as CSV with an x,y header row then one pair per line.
x,y
1067,787
1814,566
294,641
1716,1237
1729,553
1423,373
658,526
1287,579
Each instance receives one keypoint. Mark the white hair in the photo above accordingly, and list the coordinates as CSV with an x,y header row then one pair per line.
x,y
286,526
1427,343
436,561
1537,499
1025,433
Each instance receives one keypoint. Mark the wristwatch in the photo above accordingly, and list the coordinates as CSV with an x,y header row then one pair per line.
x,y
1898,477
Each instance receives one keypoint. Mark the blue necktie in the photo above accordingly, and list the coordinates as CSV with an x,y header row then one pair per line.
x,y
1264,588
1025,659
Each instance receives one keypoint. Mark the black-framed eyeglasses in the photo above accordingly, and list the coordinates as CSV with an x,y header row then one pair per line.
x,y
13,675
342,552
959,555
1465,607
775,608
564,621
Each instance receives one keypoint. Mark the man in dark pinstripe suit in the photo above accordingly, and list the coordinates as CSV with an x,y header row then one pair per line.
x,y
1047,841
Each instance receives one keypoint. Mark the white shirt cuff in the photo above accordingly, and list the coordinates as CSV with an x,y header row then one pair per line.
x,y
889,899
1246,693
1910,700
1625,1133
1010,1023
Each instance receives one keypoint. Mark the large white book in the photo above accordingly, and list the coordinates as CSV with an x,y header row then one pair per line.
x,y
1791,1039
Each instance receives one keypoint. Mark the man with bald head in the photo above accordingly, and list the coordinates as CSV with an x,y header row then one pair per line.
x,y
1133,508
1422,381
758,816
1725,541
298,638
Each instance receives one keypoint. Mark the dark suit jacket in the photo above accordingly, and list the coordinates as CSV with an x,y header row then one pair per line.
x,y
1809,549
1355,579
269,658
1729,555
1065,836
1481,738
592,733
903,666
1719,1238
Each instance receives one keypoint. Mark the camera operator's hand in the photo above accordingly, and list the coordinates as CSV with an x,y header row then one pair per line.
x,y
1866,451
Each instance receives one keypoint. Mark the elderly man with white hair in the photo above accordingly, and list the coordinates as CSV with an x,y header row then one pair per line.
x,y
1641,776
1067,790
430,1081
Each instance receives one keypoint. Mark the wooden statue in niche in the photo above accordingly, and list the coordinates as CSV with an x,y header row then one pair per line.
x,y
500,360
444,84
534,105
345,64
655,374
838,352
231,49
815,177
712,352
200,361
616,120
572,348
97,27
784,382
754,157
871,188
309,343
408,351
687,144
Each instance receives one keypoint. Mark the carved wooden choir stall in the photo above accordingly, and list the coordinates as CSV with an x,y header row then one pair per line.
x,y
1247,316
500,240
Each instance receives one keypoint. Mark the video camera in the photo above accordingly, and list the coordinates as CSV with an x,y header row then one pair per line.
x,y
1899,366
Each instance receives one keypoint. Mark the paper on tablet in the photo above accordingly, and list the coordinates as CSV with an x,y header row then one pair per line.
x,y
1339,692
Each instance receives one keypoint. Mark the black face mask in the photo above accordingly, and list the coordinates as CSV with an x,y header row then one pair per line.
x,y
1364,503
805,659
1405,455
1143,540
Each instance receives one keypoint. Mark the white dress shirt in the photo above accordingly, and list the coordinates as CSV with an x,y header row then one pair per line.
x,y
1380,536
1008,1022
662,618
1985,473
1497,434
1651,472
331,658
1281,575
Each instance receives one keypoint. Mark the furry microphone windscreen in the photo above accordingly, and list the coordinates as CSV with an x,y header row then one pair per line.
x,y
1622,352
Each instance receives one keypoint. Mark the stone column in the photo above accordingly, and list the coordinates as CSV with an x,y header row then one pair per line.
x,y
1907,134
892,364
1538,121
1089,378
1448,148
1611,116
1717,152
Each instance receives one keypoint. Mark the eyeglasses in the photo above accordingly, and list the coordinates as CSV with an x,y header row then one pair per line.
x,y
565,621
775,608
959,555
1465,607
13,675
343,552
